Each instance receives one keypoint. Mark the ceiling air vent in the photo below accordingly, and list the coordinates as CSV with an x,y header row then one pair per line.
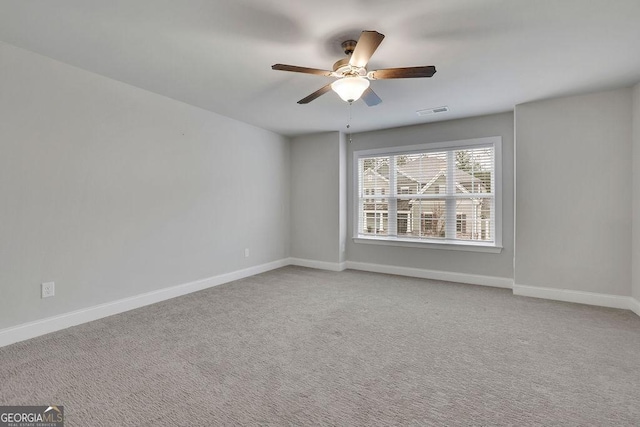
x,y
432,111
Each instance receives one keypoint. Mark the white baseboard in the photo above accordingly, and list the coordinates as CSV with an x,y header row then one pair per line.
x,y
474,279
635,306
55,323
580,297
320,265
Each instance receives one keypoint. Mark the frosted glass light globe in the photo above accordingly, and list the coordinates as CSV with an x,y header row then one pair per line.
x,y
350,88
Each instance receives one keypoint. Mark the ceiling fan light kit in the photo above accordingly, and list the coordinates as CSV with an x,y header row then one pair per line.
x,y
353,78
350,88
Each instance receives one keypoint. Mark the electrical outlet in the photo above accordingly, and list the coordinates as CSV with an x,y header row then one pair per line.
x,y
48,289
246,253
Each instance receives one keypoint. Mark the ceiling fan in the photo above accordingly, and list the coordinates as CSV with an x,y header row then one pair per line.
x,y
353,77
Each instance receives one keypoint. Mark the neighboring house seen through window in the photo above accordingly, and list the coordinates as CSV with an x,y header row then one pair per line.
x,y
441,193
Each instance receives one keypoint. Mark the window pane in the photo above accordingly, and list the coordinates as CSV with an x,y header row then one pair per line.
x,y
474,170
374,176
421,218
474,219
374,217
424,173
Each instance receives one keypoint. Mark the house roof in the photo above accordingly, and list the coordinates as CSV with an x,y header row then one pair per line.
x,y
425,171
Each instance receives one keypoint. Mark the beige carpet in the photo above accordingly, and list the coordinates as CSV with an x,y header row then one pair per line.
x,y
297,346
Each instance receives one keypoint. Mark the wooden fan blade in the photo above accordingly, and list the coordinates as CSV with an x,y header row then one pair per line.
x,y
316,94
370,97
296,69
365,47
403,73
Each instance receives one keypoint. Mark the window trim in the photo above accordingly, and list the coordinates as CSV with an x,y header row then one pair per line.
x,y
463,245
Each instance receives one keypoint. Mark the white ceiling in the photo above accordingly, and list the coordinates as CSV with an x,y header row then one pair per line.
x,y
217,54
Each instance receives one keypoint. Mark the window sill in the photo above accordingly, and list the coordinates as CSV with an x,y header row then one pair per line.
x,y
448,245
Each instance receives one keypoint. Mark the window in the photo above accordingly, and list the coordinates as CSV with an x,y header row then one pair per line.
x,y
429,225
442,194
461,224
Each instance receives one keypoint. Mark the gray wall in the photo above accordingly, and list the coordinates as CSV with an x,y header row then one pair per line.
x,y
343,202
316,197
573,192
112,191
486,264
635,260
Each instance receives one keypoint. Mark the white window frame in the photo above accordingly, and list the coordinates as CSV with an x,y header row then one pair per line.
x,y
461,245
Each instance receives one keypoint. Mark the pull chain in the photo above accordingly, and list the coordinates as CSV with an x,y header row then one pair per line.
x,y
349,124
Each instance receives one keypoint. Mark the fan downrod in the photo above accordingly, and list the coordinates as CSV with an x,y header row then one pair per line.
x,y
349,46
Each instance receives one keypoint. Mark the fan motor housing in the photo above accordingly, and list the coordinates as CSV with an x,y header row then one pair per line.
x,y
341,63
342,66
